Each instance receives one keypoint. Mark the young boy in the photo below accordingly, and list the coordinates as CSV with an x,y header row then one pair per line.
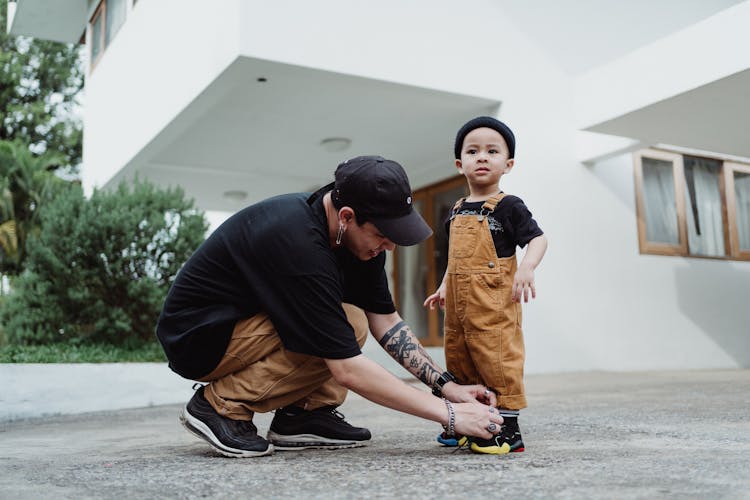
x,y
482,286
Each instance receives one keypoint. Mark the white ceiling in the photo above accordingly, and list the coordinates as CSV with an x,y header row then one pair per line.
x,y
264,137
60,20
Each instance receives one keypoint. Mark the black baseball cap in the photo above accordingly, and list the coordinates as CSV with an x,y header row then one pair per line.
x,y
379,190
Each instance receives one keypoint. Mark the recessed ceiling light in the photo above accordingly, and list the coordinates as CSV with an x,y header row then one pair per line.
x,y
334,144
235,196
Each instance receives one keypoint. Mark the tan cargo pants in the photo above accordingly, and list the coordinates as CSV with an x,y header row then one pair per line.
x,y
257,374
483,336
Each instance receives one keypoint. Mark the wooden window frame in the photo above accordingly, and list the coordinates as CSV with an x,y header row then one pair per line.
x,y
426,197
678,175
728,206
99,13
730,168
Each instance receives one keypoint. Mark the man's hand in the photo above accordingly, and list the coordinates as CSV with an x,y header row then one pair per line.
x,y
457,393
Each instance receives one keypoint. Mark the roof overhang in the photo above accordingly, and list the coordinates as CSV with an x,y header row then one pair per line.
x,y
259,128
58,20
712,117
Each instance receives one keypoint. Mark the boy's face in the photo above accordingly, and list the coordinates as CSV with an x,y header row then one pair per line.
x,y
484,158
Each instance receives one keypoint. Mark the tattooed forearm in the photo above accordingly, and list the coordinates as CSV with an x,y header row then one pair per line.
x,y
404,347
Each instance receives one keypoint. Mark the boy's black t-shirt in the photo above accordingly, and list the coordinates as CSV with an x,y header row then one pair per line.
x,y
272,257
511,224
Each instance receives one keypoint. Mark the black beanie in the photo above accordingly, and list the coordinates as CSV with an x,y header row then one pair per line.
x,y
489,122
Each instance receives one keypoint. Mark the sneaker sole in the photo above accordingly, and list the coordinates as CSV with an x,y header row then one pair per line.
x,y
491,450
310,441
201,430
452,442
498,450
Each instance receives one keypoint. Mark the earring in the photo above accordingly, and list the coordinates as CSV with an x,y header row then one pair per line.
x,y
342,230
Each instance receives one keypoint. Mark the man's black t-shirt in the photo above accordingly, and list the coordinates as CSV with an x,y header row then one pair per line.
x,y
511,223
273,257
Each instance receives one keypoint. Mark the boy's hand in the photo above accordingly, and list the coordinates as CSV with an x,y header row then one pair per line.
x,y
437,297
522,284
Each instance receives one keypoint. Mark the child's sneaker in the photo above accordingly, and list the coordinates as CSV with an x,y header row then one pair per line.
x,y
508,440
445,440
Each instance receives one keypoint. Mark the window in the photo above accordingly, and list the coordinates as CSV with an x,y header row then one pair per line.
x,y
691,205
419,269
738,199
106,21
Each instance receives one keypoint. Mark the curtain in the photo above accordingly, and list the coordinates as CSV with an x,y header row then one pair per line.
x,y
412,281
705,222
659,201
742,200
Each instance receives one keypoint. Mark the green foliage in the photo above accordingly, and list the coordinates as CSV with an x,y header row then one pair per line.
x,y
27,182
99,269
40,82
65,353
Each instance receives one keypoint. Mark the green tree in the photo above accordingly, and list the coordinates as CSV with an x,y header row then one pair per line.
x,y
27,182
99,269
40,82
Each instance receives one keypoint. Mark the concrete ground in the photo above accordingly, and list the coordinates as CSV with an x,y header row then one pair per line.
x,y
588,435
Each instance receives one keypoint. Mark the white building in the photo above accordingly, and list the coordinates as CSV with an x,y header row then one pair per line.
x,y
631,122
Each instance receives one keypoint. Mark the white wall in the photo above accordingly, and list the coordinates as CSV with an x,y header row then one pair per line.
x,y
419,42
697,55
600,305
163,56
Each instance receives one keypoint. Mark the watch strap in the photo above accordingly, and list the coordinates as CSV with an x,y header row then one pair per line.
x,y
443,379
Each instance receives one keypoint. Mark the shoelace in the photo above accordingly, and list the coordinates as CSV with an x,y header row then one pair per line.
x,y
466,444
333,411
337,414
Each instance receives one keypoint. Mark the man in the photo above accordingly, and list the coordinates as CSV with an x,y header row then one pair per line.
x,y
274,306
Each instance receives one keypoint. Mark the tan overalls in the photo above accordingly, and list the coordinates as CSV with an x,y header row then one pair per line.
x,y
483,337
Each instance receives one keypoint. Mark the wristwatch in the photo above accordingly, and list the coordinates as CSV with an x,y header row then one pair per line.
x,y
443,379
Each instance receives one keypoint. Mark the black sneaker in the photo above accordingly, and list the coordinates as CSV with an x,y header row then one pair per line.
x,y
232,438
293,428
508,440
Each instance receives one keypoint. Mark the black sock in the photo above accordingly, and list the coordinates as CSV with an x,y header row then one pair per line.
x,y
510,419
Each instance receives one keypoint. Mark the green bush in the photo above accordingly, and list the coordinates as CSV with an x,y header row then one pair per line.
x,y
99,269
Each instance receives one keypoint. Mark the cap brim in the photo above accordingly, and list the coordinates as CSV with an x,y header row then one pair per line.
x,y
404,231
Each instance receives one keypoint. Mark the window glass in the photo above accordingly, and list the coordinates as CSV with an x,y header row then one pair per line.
x,y
705,221
115,18
96,37
742,201
659,202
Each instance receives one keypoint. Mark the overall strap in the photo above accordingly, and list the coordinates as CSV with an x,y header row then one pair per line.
x,y
492,202
456,206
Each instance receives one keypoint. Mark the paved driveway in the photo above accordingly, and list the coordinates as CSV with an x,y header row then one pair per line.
x,y
592,435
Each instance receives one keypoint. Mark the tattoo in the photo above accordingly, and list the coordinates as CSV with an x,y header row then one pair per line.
x,y
405,348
